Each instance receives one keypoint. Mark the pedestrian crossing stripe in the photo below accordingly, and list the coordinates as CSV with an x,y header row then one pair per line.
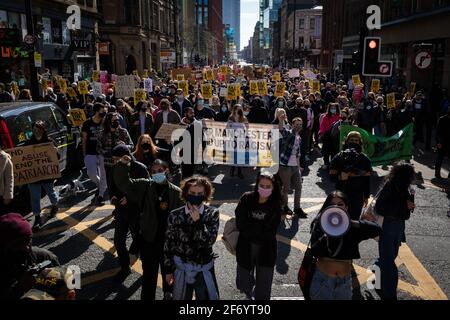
x,y
426,287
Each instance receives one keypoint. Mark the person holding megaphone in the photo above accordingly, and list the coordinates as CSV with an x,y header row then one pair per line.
x,y
335,240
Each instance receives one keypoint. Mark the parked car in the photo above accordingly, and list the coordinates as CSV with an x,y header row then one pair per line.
x,y
16,119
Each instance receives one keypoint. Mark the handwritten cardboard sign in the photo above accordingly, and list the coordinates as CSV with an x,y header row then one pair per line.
x,y
34,163
166,130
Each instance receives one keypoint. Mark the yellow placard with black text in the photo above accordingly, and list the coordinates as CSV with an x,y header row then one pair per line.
x,y
316,86
375,87
83,87
78,117
184,85
280,89
207,90
356,79
391,100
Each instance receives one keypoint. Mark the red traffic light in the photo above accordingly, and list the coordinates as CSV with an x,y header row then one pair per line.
x,y
372,44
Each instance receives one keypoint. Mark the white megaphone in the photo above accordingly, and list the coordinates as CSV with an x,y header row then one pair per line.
x,y
335,222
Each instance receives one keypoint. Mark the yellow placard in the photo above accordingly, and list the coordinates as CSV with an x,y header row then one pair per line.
x,y
254,87
262,87
180,77
391,100
78,116
139,95
280,89
231,93
184,85
276,77
238,90
412,89
83,87
209,75
375,87
71,92
356,79
316,86
207,90
145,74
95,76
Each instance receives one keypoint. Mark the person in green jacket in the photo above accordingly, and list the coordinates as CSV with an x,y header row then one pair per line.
x,y
157,197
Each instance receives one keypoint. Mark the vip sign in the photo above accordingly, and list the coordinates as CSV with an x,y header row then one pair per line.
x,y
74,20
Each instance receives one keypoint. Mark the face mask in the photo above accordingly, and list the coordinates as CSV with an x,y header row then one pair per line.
x,y
115,125
181,98
355,146
280,104
200,103
264,193
164,90
159,178
144,109
270,94
246,113
333,111
145,146
224,109
195,200
102,114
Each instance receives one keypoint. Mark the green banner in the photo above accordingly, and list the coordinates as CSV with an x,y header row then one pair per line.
x,y
381,150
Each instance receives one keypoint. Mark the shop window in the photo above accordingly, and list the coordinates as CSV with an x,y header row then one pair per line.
x,y
47,31
14,20
65,33
3,19
56,31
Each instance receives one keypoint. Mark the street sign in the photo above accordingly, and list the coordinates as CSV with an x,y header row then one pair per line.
x,y
423,60
29,39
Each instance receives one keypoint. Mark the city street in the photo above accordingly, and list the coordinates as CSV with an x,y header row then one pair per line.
x,y
83,235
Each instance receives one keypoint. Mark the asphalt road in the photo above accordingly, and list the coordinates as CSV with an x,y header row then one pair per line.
x,y
83,235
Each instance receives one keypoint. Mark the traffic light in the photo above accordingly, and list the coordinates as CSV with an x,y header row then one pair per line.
x,y
372,66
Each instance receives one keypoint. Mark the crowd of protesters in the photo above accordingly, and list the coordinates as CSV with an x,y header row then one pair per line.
x,y
174,228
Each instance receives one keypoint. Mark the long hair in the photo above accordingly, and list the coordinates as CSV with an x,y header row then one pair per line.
x,y
108,120
41,125
338,109
401,176
331,196
234,111
139,153
275,197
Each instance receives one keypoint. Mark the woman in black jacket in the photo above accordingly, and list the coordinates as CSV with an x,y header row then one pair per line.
x,y
395,203
258,215
332,279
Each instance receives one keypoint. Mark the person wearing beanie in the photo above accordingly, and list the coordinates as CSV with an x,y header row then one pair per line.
x,y
18,256
126,213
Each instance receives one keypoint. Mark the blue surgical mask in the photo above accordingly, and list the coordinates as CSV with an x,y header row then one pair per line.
x,y
333,111
159,178
195,200
224,109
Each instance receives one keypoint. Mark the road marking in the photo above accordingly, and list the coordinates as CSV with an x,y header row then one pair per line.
x,y
97,277
60,229
427,287
287,298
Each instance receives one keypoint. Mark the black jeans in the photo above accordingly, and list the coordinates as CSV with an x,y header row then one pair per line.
x,y
5,208
441,154
126,220
152,258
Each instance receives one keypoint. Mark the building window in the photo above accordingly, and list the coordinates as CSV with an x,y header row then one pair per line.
x,y
3,19
302,24
13,20
132,12
47,31
65,34
56,31
312,23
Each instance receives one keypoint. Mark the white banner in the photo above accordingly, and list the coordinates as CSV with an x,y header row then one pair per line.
x,y
148,85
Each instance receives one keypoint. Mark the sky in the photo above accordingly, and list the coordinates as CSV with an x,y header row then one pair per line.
x,y
249,17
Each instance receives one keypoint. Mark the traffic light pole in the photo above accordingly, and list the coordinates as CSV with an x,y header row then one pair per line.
x,y
34,85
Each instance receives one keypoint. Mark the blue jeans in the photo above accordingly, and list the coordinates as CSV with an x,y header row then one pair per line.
x,y
35,195
388,246
324,287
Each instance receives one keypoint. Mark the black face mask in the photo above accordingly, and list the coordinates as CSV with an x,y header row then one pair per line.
x,y
145,146
356,146
102,114
115,125
144,109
